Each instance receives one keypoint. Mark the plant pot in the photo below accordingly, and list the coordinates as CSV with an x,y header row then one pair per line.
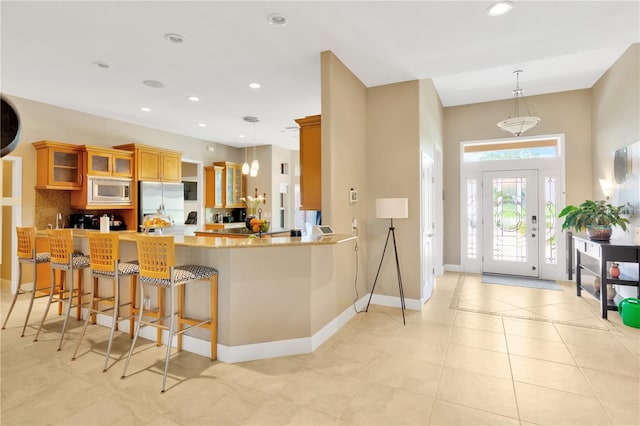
x,y
599,232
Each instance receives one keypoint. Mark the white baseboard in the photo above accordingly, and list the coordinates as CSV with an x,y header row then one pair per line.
x,y
232,354
241,353
255,351
452,268
394,302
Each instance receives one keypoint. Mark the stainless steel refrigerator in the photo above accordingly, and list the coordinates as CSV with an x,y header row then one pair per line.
x,y
154,196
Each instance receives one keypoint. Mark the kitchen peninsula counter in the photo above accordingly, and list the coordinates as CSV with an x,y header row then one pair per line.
x,y
217,240
243,233
276,296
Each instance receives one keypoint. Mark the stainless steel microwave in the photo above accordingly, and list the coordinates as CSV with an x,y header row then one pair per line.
x,y
101,190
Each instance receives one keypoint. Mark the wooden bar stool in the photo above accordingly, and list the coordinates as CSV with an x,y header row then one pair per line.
x,y
64,259
156,255
104,251
27,256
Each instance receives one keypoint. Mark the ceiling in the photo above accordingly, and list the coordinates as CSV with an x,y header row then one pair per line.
x,y
48,49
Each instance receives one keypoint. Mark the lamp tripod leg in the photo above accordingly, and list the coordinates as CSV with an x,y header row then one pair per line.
x,y
395,249
390,233
379,267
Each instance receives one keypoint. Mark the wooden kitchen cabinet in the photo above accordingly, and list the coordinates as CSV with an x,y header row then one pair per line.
x,y
108,162
155,164
213,186
58,165
103,162
232,184
213,226
310,162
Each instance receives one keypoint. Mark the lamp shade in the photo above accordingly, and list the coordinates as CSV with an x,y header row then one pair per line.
x,y
392,208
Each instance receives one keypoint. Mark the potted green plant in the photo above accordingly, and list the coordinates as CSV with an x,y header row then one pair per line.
x,y
596,217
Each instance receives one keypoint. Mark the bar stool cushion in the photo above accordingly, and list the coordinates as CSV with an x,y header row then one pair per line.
x,y
182,274
43,257
78,261
124,269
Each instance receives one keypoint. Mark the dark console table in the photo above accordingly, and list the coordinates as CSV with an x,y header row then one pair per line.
x,y
595,257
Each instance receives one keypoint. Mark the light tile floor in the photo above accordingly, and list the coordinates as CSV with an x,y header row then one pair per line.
x,y
477,354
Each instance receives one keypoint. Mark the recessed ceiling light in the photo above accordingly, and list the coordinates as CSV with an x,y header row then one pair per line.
x,y
153,83
145,109
202,125
277,19
100,64
174,38
194,98
500,8
254,85
241,136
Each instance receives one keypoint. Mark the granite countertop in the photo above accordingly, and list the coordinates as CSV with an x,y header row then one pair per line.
x,y
242,231
223,242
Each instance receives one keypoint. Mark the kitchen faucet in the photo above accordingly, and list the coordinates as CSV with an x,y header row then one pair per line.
x,y
58,217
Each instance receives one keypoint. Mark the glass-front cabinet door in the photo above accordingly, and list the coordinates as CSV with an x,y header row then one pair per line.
x,y
99,163
228,188
229,178
58,165
218,174
237,186
108,162
122,165
65,168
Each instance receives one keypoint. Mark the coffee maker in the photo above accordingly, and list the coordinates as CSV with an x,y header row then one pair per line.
x,y
80,221
239,215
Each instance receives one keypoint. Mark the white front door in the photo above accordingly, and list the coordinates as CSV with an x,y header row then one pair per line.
x,y
510,222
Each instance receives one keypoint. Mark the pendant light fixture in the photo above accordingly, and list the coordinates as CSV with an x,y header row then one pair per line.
x,y
245,165
253,170
516,123
254,164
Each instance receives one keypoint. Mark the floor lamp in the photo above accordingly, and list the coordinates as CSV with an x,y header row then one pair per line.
x,y
391,208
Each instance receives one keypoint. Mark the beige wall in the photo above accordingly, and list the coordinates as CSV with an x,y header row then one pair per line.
x,y
393,171
431,118
343,167
616,123
564,112
371,142
615,114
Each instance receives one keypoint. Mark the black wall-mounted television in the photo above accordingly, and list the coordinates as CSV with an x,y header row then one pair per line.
x,y
190,190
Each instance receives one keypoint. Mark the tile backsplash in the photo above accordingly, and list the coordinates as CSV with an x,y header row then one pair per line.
x,y
49,202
